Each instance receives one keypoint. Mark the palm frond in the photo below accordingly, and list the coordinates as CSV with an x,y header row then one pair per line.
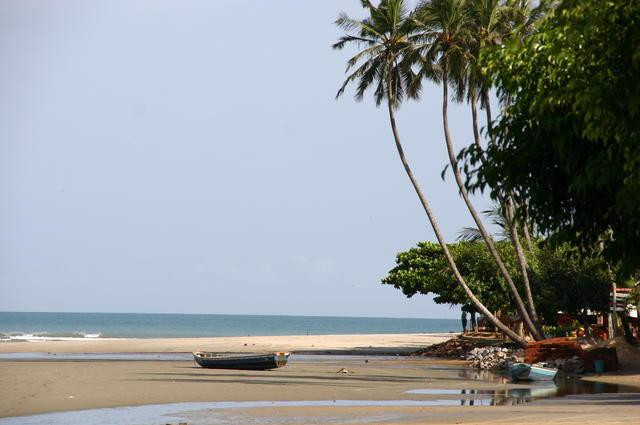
x,y
469,234
364,27
383,40
360,72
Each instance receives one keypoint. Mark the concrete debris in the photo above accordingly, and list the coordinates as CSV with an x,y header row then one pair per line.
x,y
453,348
491,358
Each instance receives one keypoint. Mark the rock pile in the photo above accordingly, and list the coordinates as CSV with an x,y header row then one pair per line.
x,y
453,348
491,357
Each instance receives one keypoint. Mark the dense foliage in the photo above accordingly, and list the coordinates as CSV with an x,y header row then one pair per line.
x,y
568,142
567,281
562,280
424,270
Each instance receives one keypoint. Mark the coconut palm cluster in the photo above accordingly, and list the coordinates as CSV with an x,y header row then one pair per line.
x,y
441,42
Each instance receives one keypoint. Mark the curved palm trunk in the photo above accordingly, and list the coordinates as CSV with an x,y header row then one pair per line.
x,y
527,235
434,224
483,231
487,109
474,118
522,259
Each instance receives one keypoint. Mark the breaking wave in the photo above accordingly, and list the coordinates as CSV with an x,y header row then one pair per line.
x,y
46,336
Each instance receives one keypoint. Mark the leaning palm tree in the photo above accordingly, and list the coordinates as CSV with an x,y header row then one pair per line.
x,y
493,22
487,26
385,37
444,31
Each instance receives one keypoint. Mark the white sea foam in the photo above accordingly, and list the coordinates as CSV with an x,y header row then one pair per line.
x,y
45,336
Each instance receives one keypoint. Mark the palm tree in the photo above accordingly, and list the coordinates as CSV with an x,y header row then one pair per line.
x,y
446,39
487,21
492,23
386,38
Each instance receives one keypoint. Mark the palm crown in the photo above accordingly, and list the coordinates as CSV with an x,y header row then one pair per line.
x,y
443,49
385,38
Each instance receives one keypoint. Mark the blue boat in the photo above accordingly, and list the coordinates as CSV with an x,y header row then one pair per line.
x,y
531,372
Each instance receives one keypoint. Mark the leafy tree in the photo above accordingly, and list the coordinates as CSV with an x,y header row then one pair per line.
x,y
568,143
424,270
569,282
562,280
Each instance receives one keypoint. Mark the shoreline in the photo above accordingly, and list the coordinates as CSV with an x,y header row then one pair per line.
x,y
370,344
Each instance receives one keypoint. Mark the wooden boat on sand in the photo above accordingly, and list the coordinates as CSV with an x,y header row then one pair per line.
x,y
240,361
531,372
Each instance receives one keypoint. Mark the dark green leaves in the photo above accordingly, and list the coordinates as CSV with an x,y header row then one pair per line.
x,y
569,142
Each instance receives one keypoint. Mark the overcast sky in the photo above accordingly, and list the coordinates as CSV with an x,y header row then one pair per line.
x,y
189,157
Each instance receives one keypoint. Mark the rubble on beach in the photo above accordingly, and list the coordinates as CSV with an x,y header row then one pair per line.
x,y
491,358
565,354
454,348
478,354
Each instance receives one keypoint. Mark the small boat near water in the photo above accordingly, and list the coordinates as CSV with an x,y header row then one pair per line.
x,y
531,372
241,361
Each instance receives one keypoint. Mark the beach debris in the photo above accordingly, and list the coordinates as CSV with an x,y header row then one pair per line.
x,y
480,355
570,366
343,370
452,348
570,356
491,358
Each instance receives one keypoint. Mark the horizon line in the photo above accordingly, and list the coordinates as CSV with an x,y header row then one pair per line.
x,y
228,314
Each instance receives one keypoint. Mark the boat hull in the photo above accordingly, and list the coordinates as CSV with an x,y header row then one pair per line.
x,y
241,362
527,372
539,373
519,371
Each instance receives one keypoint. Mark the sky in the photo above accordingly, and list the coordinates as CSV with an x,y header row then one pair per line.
x,y
190,157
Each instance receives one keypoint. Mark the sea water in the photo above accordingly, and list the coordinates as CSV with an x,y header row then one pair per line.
x,y
46,326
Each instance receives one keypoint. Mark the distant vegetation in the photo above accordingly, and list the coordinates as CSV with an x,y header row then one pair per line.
x,y
562,158
560,279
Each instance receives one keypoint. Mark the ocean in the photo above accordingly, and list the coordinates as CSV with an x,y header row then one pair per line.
x,y
47,326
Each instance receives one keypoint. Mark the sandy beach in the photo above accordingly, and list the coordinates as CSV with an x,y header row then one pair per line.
x,y
378,343
445,388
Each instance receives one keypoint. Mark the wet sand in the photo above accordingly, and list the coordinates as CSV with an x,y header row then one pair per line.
x,y
556,414
622,377
43,386
56,386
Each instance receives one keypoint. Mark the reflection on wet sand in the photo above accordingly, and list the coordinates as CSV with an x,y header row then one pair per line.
x,y
562,386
